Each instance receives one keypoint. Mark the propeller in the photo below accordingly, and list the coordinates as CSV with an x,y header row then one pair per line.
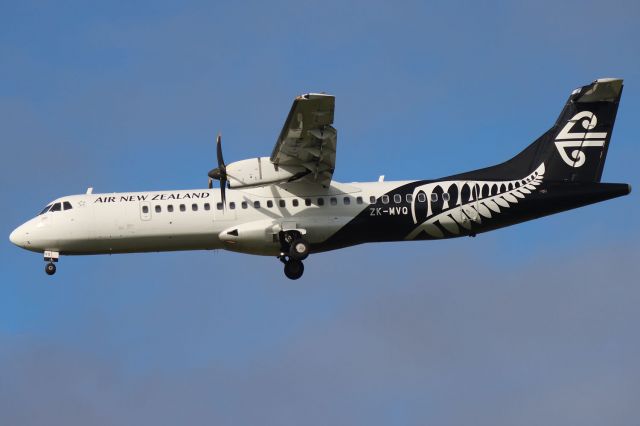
x,y
220,172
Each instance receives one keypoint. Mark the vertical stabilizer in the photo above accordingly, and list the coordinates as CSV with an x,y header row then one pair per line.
x,y
575,148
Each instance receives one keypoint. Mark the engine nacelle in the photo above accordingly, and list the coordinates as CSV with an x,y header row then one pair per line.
x,y
260,171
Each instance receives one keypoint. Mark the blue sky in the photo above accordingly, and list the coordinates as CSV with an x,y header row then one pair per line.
x,y
533,324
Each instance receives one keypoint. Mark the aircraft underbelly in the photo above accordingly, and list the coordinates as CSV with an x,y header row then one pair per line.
x,y
140,244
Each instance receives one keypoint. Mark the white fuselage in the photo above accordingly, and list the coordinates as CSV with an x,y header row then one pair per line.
x,y
196,219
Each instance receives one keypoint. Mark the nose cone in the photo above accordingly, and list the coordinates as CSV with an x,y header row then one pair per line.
x,y
19,236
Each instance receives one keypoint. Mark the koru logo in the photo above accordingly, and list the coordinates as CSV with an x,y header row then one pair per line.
x,y
567,139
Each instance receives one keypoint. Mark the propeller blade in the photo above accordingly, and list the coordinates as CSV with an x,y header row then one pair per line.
x,y
220,172
223,187
221,165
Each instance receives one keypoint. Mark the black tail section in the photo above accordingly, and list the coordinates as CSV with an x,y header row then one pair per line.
x,y
583,131
575,148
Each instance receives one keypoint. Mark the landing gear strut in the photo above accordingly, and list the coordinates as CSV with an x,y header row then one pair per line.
x,y
293,250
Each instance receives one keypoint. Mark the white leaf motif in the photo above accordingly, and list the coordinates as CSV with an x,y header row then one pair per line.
x,y
461,216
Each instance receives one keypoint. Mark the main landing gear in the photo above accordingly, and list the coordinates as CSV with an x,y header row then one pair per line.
x,y
50,257
293,250
293,269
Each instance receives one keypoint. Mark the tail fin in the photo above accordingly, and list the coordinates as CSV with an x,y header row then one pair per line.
x,y
583,131
575,148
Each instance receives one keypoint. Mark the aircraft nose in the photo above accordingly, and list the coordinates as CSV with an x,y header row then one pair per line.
x,y
18,236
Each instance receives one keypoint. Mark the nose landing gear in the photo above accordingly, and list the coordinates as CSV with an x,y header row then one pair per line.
x,y
50,268
293,250
50,257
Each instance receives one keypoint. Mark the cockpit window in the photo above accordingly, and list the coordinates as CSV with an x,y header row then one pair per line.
x,y
55,207
67,205
46,209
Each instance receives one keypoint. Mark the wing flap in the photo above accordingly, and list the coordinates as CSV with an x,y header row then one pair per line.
x,y
307,138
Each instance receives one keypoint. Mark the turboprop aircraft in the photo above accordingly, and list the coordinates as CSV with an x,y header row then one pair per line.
x,y
288,206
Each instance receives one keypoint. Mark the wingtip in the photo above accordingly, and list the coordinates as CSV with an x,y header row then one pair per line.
x,y
607,80
314,95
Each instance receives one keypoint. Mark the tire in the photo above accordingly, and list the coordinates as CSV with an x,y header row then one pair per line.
x,y
293,269
50,268
299,249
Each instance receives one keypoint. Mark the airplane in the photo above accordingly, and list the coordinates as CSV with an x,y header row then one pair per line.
x,y
288,205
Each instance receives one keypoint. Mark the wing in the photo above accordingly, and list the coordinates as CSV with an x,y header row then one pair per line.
x,y
307,139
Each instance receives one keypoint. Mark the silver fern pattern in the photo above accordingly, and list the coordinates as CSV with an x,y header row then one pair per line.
x,y
472,201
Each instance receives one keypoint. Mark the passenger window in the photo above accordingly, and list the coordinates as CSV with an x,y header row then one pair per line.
x,y
434,197
372,199
170,208
333,201
256,204
194,207
269,203
66,205
219,206
409,198
397,198
207,206
321,201
145,209
183,207
232,205
445,196
158,209
385,199
281,203
347,201
244,205
359,200
295,202
422,197
307,202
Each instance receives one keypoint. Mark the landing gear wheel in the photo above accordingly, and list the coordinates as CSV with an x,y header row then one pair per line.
x,y
50,268
299,249
293,269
